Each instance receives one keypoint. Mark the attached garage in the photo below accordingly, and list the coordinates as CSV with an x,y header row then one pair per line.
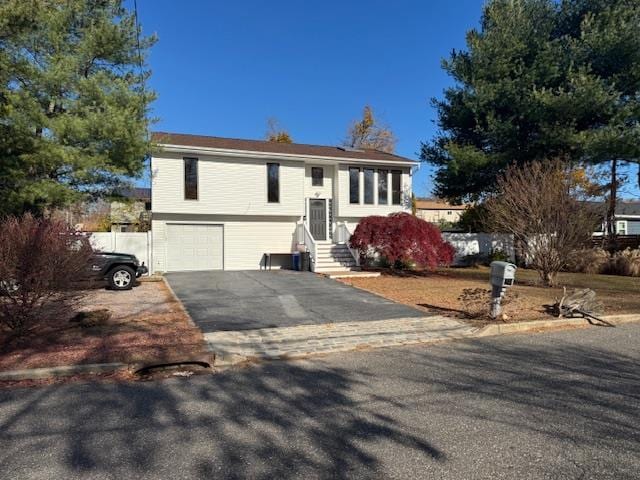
x,y
216,242
193,247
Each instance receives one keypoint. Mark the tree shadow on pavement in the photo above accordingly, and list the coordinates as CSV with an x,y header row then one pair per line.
x,y
280,420
583,397
314,419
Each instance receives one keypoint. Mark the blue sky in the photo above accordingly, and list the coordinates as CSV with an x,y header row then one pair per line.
x,y
223,67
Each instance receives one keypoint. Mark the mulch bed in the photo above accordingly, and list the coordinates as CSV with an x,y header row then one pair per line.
x,y
439,292
146,325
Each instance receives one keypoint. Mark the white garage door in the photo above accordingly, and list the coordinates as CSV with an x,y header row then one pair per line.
x,y
194,247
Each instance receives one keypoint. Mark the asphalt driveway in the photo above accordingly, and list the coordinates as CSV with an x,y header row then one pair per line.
x,y
282,298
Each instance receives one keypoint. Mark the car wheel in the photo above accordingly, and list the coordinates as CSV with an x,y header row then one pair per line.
x,y
121,278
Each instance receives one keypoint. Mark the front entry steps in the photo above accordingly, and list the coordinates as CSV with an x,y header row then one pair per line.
x,y
334,258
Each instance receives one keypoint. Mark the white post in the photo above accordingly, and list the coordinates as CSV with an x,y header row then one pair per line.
x,y
149,252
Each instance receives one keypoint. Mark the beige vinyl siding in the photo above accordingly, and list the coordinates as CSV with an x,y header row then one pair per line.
x,y
246,239
346,209
326,190
226,186
435,216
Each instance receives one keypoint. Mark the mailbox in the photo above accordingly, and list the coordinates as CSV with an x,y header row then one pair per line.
x,y
503,274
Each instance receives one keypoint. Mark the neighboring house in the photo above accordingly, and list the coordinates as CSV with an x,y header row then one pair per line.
x,y
222,204
627,219
438,211
132,213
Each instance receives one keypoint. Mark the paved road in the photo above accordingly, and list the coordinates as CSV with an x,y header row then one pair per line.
x,y
549,406
227,300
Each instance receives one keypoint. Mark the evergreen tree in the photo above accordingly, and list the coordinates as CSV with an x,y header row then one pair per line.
x,y
540,79
73,106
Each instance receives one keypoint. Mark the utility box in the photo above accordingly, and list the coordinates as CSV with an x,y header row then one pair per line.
x,y
503,274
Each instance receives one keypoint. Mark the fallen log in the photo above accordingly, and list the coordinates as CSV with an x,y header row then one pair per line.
x,y
582,302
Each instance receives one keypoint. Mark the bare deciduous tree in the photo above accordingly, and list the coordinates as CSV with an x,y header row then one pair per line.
x,y
44,266
276,132
369,133
541,205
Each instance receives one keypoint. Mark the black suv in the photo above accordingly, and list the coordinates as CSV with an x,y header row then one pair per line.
x,y
119,269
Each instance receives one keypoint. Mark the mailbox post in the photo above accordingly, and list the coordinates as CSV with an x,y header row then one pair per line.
x,y
503,275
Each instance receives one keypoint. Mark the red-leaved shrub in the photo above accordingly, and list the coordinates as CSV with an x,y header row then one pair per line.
x,y
402,239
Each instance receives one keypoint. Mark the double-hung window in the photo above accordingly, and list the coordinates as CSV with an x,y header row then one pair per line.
x,y
621,227
273,182
190,178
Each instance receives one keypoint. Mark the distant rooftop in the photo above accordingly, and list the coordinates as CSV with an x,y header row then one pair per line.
x,y
436,204
137,193
186,140
623,207
628,208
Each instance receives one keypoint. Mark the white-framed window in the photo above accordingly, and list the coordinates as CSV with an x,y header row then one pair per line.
x,y
273,182
621,227
396,186
387,186
369,184
317,176
383,187
190,178
354,185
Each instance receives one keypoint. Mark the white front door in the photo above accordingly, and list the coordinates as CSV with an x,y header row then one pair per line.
x,y
194,247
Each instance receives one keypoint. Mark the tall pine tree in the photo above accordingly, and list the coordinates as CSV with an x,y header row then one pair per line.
x,y
73,108
540,79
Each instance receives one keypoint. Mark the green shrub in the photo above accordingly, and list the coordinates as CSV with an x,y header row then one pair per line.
x,y
498,255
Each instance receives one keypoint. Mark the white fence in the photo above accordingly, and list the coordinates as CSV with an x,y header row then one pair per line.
x,y
135,243
466,244
479,244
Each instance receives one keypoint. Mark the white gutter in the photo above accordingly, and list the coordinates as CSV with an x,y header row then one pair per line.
x,y
223,152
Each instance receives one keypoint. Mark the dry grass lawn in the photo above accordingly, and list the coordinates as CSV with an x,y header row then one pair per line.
x,y
438,292
147,325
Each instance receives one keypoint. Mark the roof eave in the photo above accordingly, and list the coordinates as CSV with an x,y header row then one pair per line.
x,y
172,148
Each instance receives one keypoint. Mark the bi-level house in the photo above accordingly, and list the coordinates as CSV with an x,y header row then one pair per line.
x,y
224,204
